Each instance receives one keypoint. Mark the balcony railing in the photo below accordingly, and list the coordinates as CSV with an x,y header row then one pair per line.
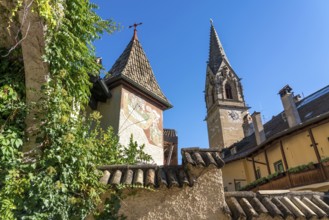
x,y
319,173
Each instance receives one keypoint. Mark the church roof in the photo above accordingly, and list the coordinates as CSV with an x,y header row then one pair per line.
x,y
216,51
134,67
314,107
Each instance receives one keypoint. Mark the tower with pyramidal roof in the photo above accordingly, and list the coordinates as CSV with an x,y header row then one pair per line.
x,y
137,103
226,108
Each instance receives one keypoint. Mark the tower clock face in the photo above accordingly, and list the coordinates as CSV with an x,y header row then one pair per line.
x,y
234,115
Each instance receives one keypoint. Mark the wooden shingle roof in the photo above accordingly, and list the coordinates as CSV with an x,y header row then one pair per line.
x,y
277,204
134,67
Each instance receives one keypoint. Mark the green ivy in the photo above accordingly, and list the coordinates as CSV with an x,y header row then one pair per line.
x,y
12,114
62,180
272,176
301,168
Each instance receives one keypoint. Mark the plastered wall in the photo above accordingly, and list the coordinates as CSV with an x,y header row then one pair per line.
x,y
297,149
234,171
321,136
144,121
204,200
110,110
274,155
129,114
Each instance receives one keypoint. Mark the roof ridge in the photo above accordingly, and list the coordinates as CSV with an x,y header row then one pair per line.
x,y
300,103
315,92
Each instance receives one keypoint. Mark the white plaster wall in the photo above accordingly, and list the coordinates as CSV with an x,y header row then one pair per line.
x,y
141,119
128,128
110,110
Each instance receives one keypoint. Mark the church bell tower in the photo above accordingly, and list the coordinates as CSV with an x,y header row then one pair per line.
x,y
224,98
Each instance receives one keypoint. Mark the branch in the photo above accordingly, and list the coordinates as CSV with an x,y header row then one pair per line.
x,y
19,42
26,11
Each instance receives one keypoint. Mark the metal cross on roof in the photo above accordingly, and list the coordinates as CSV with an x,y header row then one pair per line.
x,y
135,25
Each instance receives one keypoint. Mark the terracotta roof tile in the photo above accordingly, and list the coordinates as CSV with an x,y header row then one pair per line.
x,y
151,176
158,176
281,204
202,157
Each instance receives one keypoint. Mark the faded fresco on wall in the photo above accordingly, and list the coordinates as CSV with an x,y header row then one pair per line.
x,y
139,115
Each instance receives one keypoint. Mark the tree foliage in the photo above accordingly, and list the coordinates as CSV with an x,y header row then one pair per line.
x,y
62,180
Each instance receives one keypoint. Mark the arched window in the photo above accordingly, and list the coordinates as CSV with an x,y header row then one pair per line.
x,y
228,91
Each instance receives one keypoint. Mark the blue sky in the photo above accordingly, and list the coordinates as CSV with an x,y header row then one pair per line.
x,y
268,43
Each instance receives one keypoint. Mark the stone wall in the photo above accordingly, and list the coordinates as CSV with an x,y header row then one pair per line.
x,y
205,200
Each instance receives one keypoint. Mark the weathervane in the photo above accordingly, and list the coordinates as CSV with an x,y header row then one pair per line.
x,y
135,29
135,25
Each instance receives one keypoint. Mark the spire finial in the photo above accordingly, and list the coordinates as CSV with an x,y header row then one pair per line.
x,y
211,21
135,28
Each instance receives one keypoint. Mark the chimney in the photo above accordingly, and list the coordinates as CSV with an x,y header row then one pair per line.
x,y
248,127
258,127
297,98
290,109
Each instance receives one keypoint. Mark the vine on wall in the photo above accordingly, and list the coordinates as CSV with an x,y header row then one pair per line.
x,y
62,180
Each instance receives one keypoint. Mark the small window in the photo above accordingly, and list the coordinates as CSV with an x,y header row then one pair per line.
x,y
225,189
278,166
228,91
258,174
237,186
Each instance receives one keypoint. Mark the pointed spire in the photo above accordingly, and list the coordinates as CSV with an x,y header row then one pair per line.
x,y
134,67
216,51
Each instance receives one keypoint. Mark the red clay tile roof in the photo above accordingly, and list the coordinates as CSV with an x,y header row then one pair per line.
x,y
134,66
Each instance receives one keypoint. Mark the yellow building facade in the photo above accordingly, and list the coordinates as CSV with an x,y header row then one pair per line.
x,y
293,158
